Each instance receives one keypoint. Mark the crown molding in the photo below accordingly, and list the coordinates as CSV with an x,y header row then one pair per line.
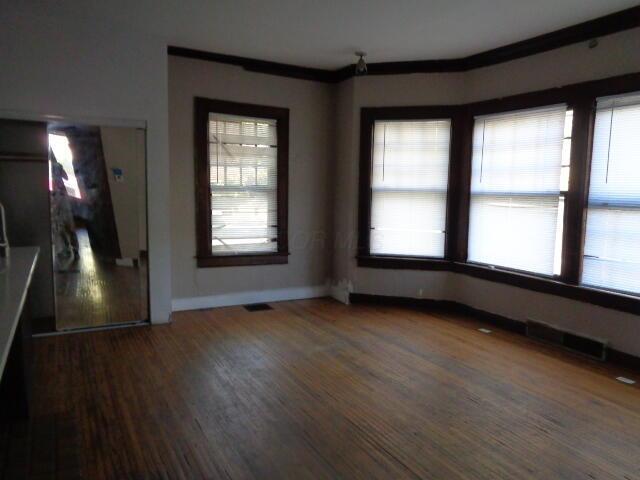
x,y
606,25
254,65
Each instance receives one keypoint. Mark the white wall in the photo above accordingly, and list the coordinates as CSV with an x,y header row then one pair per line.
x,y
572,64
122,149
615,55
57,61
310,162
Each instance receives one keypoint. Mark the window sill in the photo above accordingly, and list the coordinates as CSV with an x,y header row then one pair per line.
x,y
403,263
278,258
542,284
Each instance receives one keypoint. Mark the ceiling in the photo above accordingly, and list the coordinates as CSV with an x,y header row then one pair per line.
x,y
325,33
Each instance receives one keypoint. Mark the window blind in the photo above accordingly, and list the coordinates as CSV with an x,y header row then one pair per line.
x,y
410,171
612,241
515,188
243,180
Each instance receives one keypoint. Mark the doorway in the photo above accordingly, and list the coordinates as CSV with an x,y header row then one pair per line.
x,y
97,191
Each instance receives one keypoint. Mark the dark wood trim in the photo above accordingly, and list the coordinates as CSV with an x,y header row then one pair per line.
x,y
201,170
569,94
614,356
453,185
283,181
243,260
23,157
439,305
577,196
258,66
413,112
459,187
368,117
602,298
549,285
367,120
202,108
598,27
606,25
623,359
403,263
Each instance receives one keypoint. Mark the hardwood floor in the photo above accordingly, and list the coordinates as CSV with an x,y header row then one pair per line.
x,y
315,389
94,293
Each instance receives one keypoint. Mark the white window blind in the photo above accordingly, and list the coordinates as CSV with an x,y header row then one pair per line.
x,y
410,171
612,242
243,179
515,189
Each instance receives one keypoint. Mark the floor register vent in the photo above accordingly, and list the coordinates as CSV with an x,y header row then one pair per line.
x,y
595,349
258,307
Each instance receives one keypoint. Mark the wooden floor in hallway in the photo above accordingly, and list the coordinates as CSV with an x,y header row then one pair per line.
x,y
314,389
93,292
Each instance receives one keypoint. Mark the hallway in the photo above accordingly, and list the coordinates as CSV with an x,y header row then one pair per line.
x,y
92,292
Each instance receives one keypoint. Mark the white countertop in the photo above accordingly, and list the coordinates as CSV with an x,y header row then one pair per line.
x,y
15,278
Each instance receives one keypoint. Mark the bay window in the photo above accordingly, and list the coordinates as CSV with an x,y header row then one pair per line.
x,y
539,190
409,187
518,172
612,239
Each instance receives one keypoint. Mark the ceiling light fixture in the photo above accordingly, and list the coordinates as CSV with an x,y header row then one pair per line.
x,y
361,66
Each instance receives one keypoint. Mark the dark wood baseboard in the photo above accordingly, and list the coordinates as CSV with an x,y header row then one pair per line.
x,y
624,359
615,357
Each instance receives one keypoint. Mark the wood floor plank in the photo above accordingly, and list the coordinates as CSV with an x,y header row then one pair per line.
x,y
93,292
315,389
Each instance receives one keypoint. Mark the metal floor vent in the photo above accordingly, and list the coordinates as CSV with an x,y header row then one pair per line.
x,y
576,343
258,307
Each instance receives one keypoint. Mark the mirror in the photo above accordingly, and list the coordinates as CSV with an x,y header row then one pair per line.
x,y
97,189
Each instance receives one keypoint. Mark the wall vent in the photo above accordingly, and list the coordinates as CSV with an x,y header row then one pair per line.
x,y
586,346
544,333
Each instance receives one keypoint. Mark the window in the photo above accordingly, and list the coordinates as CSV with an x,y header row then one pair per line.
x,y
241,182
543,196
565,171
59,144
612,241
409,175
517,169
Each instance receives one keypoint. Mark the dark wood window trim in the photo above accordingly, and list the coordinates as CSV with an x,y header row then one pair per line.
x,y
579,97
602,298
202,108
576,199
368,117
403,263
